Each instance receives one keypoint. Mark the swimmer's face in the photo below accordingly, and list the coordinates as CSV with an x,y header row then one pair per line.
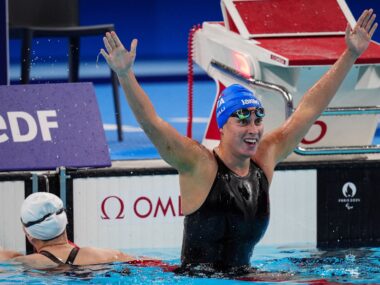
x,y
243,131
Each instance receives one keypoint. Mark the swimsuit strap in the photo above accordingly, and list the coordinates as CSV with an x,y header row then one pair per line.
x,y
70,258
72,255
51,256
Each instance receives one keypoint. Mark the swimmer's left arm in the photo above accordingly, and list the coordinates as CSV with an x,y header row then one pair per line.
x,y
283,140
9,254
94,255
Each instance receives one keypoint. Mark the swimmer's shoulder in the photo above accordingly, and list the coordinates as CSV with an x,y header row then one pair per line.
x,y
268,154
94,255
195,185
36,261
193,157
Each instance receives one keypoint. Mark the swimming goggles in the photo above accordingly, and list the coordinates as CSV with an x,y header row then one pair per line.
x,y
32,223
244,114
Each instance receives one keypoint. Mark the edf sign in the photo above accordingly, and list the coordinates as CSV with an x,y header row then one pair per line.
x,y
45,126
15,119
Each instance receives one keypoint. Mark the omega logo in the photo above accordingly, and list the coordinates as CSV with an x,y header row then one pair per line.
x,y
121,210
142,207
322,133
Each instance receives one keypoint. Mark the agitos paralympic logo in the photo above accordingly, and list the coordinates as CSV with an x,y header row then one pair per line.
x,y
115,207
349,191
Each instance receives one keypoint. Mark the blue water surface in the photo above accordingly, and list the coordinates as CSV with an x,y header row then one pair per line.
x,y
299,265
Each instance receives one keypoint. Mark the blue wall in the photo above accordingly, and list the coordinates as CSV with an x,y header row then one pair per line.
x,y
162,26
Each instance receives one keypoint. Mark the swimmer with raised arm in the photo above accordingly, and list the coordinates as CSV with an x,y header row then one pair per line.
x,y
224,191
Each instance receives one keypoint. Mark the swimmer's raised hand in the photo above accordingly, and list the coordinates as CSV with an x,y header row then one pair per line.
x,y
117,56
360,36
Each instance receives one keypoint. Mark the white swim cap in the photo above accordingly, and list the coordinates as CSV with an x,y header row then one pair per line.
x,y
43,216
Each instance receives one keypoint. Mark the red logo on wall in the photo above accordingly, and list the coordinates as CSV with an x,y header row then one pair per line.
x,y
143,207
121,210
322,133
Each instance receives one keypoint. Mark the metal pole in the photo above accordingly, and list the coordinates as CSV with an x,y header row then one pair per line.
x,y
4,57
62,185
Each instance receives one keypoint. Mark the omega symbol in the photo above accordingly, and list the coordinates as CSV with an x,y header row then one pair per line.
x,y
121,211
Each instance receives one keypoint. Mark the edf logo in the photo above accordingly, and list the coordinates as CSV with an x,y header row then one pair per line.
x,y
17,121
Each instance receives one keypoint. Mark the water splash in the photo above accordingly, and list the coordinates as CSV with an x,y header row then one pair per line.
x,y
97,59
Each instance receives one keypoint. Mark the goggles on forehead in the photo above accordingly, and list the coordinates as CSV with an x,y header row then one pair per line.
x,y
244,114
32,223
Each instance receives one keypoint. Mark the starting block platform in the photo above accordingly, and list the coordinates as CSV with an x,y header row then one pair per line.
x,y
280,56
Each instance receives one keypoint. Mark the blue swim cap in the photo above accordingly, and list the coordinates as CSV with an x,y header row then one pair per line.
x,y
233,98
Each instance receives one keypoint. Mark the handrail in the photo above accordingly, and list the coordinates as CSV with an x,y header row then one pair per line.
x,y
289,109
288,99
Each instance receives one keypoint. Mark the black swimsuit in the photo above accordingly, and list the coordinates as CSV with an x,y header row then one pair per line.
x,y
222,233
70,260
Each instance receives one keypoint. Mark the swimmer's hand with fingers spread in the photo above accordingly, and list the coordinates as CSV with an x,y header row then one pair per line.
x,y
117,56
359,37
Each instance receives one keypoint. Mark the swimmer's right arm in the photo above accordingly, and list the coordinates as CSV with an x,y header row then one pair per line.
x,y
278,144
179,151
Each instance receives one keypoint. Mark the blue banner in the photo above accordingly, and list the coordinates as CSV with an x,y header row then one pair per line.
x,y
45,126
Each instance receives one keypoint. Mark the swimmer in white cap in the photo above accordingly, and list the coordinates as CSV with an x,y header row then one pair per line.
x,y
224,191
44,222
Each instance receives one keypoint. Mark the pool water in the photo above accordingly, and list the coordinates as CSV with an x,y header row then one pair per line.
x,y
300,265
